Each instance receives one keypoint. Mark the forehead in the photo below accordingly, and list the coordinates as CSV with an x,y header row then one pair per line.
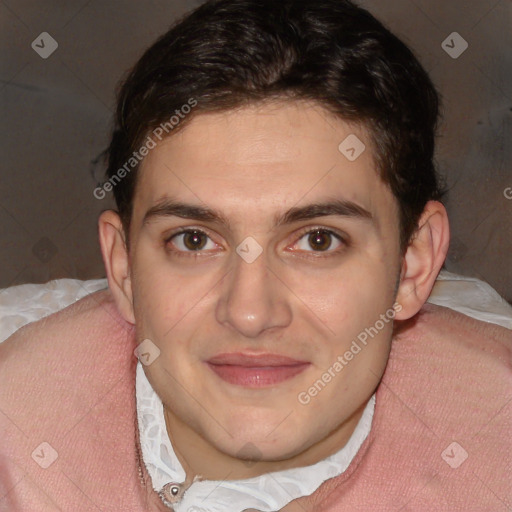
x,y
260,159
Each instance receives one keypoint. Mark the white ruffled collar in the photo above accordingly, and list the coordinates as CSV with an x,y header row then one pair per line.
x,y
266,493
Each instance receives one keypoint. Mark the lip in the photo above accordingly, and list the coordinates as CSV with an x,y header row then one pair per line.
x,y
255,370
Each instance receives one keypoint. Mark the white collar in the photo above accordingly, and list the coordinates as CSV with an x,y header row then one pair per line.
x,y
266,493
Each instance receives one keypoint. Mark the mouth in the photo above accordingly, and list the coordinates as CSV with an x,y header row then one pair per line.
x,y
255,371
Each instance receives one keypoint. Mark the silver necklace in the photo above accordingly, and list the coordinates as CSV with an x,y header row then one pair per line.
x,y
172,492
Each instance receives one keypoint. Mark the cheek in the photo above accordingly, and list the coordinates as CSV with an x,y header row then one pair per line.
x,y
355,365
350,296
347,310
169,310
162,295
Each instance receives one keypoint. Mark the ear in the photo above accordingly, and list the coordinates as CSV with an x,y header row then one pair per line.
x,y
423,259
117,262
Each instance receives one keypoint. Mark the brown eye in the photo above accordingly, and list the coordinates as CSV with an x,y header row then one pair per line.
x,y
320,240
190,240
194,240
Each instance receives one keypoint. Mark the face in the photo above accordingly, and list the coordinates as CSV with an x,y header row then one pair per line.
x,y
250,291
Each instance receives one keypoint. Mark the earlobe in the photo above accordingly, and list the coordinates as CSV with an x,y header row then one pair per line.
x,y
117,263
423,259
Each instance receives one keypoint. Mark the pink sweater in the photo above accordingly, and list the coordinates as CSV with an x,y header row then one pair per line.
x,y
440,439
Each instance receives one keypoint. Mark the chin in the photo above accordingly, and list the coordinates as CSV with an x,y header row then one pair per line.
x,y
256,451
258,441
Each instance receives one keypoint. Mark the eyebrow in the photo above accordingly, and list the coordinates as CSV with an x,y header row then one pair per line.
x,y
336,207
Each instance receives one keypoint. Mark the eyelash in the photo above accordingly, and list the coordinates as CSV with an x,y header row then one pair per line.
x,y
307,231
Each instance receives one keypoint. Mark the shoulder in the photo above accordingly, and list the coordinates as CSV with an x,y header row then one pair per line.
x,y
444,402
68,358
449,339
94,315
67,406
448,362
77,350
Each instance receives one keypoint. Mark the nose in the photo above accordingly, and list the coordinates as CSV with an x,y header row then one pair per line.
x,y
253,299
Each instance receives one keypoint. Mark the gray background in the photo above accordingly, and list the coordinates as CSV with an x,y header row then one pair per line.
x,y
56,117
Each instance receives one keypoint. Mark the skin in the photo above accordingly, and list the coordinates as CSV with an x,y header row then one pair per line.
x,y
252,164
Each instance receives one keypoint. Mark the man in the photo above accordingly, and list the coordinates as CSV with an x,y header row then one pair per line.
x,y
279,230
